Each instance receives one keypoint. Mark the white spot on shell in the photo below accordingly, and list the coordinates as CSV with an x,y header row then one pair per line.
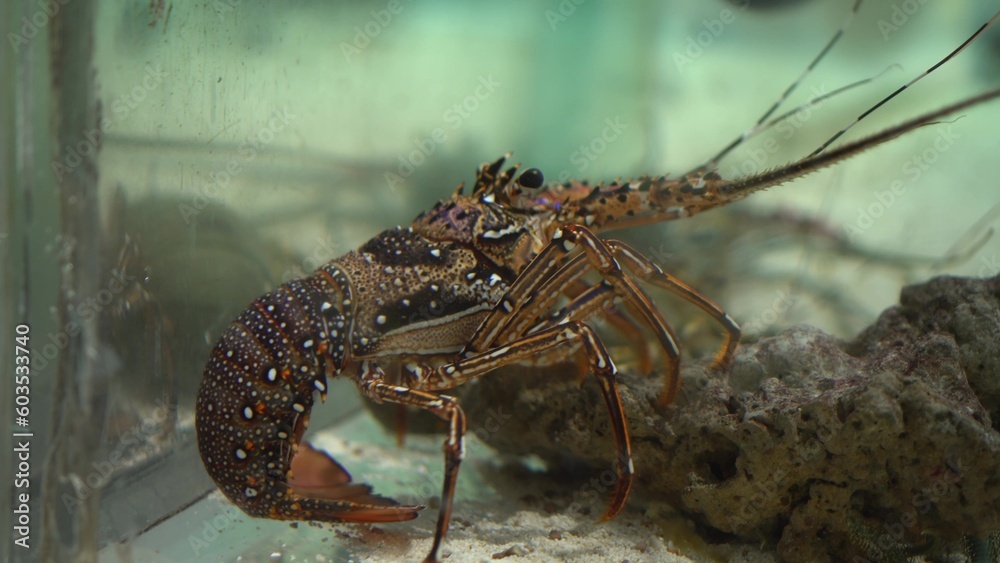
x,y
501,233
247,413
380,319
240,454
272,374
436,253
298,408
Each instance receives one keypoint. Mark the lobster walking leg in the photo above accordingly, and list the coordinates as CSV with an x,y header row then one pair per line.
x,y
551,275
597,300
372,384
650,273
568,333
632,333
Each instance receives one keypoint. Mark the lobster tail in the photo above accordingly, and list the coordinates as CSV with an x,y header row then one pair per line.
x,y
258,389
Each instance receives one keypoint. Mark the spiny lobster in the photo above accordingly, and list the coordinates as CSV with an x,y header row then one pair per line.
x,y
492,264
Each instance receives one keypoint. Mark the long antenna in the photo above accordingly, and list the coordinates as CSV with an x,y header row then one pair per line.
x,y
959,49
713,162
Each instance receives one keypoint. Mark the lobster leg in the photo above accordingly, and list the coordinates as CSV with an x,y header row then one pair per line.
x,y
624,325
650,273
513,318
596,301
373,385
532,345
522,291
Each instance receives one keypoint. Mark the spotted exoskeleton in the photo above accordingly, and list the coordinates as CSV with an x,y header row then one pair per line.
x,y
480,281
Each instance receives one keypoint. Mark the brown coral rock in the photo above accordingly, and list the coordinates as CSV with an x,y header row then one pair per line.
x,y
881,448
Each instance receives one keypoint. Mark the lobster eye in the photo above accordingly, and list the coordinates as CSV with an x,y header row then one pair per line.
x,y
531,179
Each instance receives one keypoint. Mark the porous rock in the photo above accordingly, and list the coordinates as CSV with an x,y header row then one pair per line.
x,y
880,448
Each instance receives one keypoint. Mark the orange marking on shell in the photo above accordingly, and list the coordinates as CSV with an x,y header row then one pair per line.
x,y
286,374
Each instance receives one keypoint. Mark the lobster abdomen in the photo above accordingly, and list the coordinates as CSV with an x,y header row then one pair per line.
x,y
254,402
